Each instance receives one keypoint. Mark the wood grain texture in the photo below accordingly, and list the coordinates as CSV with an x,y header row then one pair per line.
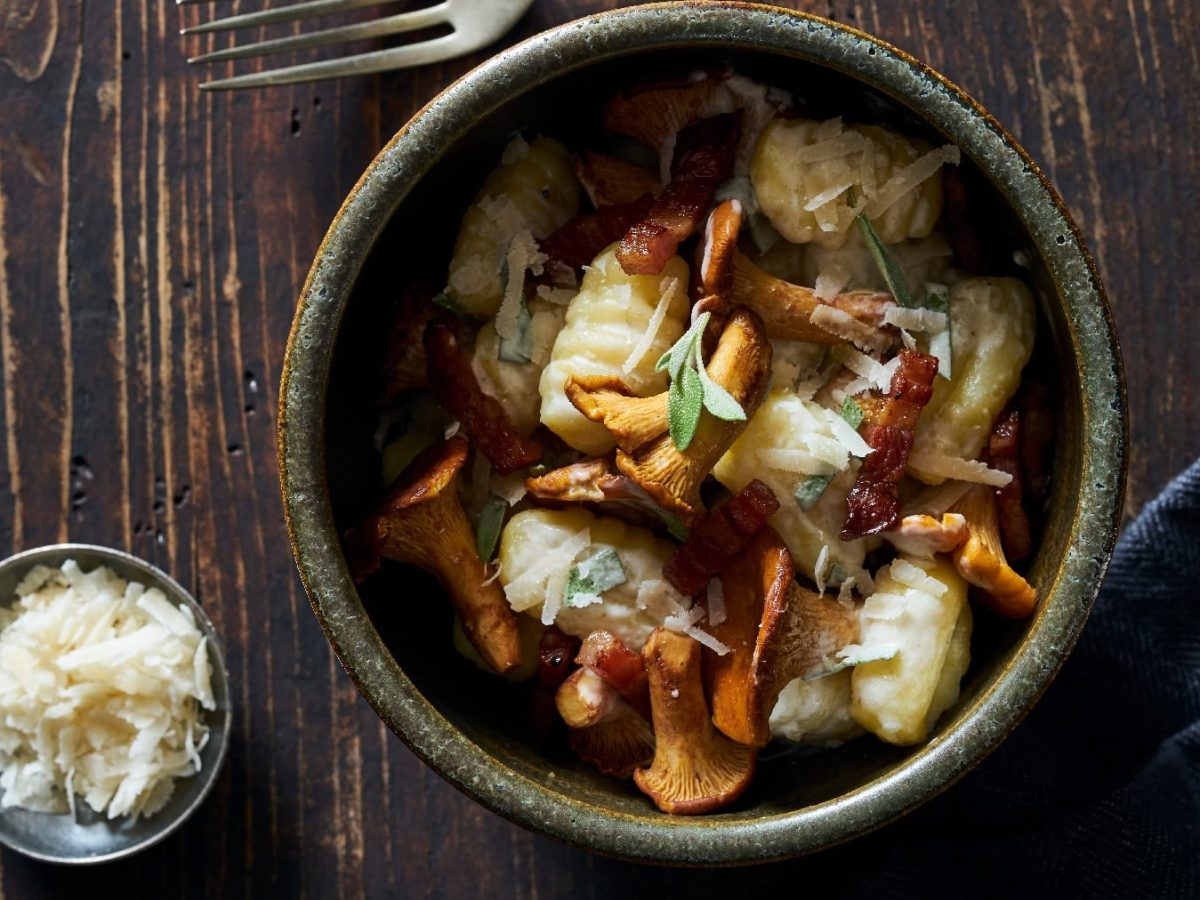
x,y
152,243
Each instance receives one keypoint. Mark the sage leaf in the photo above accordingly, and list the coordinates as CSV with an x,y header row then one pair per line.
x,y
685,401
852,412
487,532
809,491
893,275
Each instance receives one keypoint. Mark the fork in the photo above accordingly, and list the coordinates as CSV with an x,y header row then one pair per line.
x,y
475,24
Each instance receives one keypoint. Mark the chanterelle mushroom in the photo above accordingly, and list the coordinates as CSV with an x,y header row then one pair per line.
x,y
421,522
980,559
741,364
922,536
619,743
786,309
696,769
776,630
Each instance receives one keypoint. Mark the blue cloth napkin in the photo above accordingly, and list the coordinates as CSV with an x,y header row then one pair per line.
x,y
1097,793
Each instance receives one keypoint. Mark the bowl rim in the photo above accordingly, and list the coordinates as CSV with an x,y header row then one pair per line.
x,y
62,552
716,26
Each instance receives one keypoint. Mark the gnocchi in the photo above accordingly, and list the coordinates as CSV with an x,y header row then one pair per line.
x,y
992,329
533,189
604,325
535,558
803,170
788,424
913,615
816,712
515,384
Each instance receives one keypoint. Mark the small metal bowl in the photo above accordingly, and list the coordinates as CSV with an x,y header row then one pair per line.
x,y
90,837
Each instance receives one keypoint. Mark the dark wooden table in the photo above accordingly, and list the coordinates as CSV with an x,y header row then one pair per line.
x,y
152,243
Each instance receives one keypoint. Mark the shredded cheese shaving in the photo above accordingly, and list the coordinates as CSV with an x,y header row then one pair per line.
x,y
916,319
841,324
911,176
668,288
971,470
101,686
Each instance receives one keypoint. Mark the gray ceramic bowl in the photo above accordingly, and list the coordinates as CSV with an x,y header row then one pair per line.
x,y
91,838
396,646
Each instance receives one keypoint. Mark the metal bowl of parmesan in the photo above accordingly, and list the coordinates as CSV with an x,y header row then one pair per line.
x,y
114,704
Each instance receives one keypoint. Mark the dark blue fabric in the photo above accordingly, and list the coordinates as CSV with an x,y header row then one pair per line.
x,y
1097,793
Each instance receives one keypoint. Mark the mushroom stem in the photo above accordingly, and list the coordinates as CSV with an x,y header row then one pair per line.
x,y
585,698
696,769
981,561
422,522
776,631
786,309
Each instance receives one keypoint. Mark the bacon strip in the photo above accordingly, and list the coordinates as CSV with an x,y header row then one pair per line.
x,y
873,504
482,416
1004,448
579,241
720,538
961,233
555,652
605,654
704,153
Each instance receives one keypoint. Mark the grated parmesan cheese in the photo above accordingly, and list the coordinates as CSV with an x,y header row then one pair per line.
x,y
667,289
916,319
971,470
911,176
101,686
841,324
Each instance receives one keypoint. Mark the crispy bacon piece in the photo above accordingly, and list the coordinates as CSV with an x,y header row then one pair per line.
x,y
1037,434
605,654
720,538
580,240
873,504
555,652
704,153
482,416
963,237
1004,449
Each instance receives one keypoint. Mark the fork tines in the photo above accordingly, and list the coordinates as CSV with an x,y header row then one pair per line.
x,y
475,23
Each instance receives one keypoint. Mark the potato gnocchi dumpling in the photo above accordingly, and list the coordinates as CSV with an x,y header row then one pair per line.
x,y
803,170
784,422
515,384
816,712
533,189
992,328
605,322
533,565
913,616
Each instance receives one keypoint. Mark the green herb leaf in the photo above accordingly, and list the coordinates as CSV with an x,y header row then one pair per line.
x,y
675,526
888,267
685,402
809,491
594,575
487,533
852,412
446,302
519,347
